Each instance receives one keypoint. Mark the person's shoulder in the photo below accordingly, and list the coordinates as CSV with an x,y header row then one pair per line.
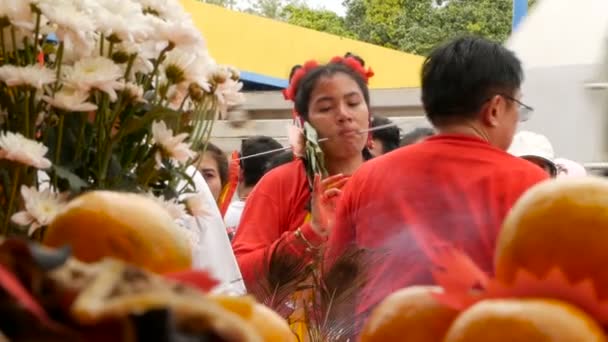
x,y
282,177
521,171
523,166
286,171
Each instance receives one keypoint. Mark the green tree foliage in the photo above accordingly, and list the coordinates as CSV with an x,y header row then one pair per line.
x,y
320,20
414,26
224,3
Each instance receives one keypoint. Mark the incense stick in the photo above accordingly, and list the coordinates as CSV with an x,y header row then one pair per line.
x,y
287,148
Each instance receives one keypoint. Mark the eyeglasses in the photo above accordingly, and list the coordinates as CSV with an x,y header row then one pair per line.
x,y
525,111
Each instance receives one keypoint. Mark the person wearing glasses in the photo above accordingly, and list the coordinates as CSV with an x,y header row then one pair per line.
x,y
453,188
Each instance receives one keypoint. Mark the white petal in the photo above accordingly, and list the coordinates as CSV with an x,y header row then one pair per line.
x,y
22,218
33,228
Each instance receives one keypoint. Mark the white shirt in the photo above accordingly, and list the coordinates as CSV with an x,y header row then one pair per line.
x,y
215,254
233,215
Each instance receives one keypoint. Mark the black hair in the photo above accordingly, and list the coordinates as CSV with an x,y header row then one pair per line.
x,y
359,59
222,161
279,159
460,76
389,136
254,168
293,70
309,81
415,135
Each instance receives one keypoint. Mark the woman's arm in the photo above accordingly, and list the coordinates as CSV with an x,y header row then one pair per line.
x,y
264,226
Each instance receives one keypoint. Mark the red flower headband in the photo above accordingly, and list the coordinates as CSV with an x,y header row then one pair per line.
x,y
290,92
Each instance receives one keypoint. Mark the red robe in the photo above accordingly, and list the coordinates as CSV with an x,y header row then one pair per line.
x,y
449,188
276,207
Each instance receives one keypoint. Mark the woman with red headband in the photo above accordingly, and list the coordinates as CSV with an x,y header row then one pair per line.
x,y
332,103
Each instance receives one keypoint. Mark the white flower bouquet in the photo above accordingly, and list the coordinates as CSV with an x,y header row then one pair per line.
x,y
102,94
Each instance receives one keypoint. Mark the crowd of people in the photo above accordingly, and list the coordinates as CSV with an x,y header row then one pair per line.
x,y
401,194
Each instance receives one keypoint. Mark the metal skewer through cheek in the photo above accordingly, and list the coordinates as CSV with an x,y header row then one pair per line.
x,y
377,128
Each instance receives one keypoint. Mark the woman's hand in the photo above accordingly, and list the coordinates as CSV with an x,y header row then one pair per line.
x,y
325,196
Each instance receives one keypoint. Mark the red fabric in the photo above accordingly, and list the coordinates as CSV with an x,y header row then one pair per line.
x,y
448,189
276,207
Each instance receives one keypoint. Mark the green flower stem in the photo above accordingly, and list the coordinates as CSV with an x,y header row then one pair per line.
x,y
80,140
35,109
105,163
11,201
181,106
2,44
102,138
29,59
160,59
58,147
14,40
26,109
110,50
59,138
101,41
58,66
149,170
130,63
36,33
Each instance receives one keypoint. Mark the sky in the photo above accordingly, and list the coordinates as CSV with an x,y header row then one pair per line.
x,y
332,5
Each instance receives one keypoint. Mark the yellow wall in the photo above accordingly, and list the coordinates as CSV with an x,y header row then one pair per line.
x,y
271,48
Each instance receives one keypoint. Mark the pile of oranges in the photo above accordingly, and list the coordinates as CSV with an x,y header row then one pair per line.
x,y
557,225
136,229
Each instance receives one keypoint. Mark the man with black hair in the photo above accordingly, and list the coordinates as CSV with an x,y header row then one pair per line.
x,y
383,140
454,188
252,170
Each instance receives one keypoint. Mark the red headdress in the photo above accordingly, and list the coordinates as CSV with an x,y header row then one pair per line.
x,y
290,92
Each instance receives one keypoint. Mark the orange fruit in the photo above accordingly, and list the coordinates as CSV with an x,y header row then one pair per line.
x,y
559,223
126,226
538,320
270,325
242,306
412,312
266,322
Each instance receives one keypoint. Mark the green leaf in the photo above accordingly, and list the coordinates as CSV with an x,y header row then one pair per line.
x,y
76,183
136,123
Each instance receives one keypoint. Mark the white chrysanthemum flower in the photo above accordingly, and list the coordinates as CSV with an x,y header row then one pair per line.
x,y
176,96
229,95
172,146
181,66
72,22
16,147
71,100
169,10
19,13
40,208
121,19
32,75
135,92
174,208
94,73
181,33
145,52
73,52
